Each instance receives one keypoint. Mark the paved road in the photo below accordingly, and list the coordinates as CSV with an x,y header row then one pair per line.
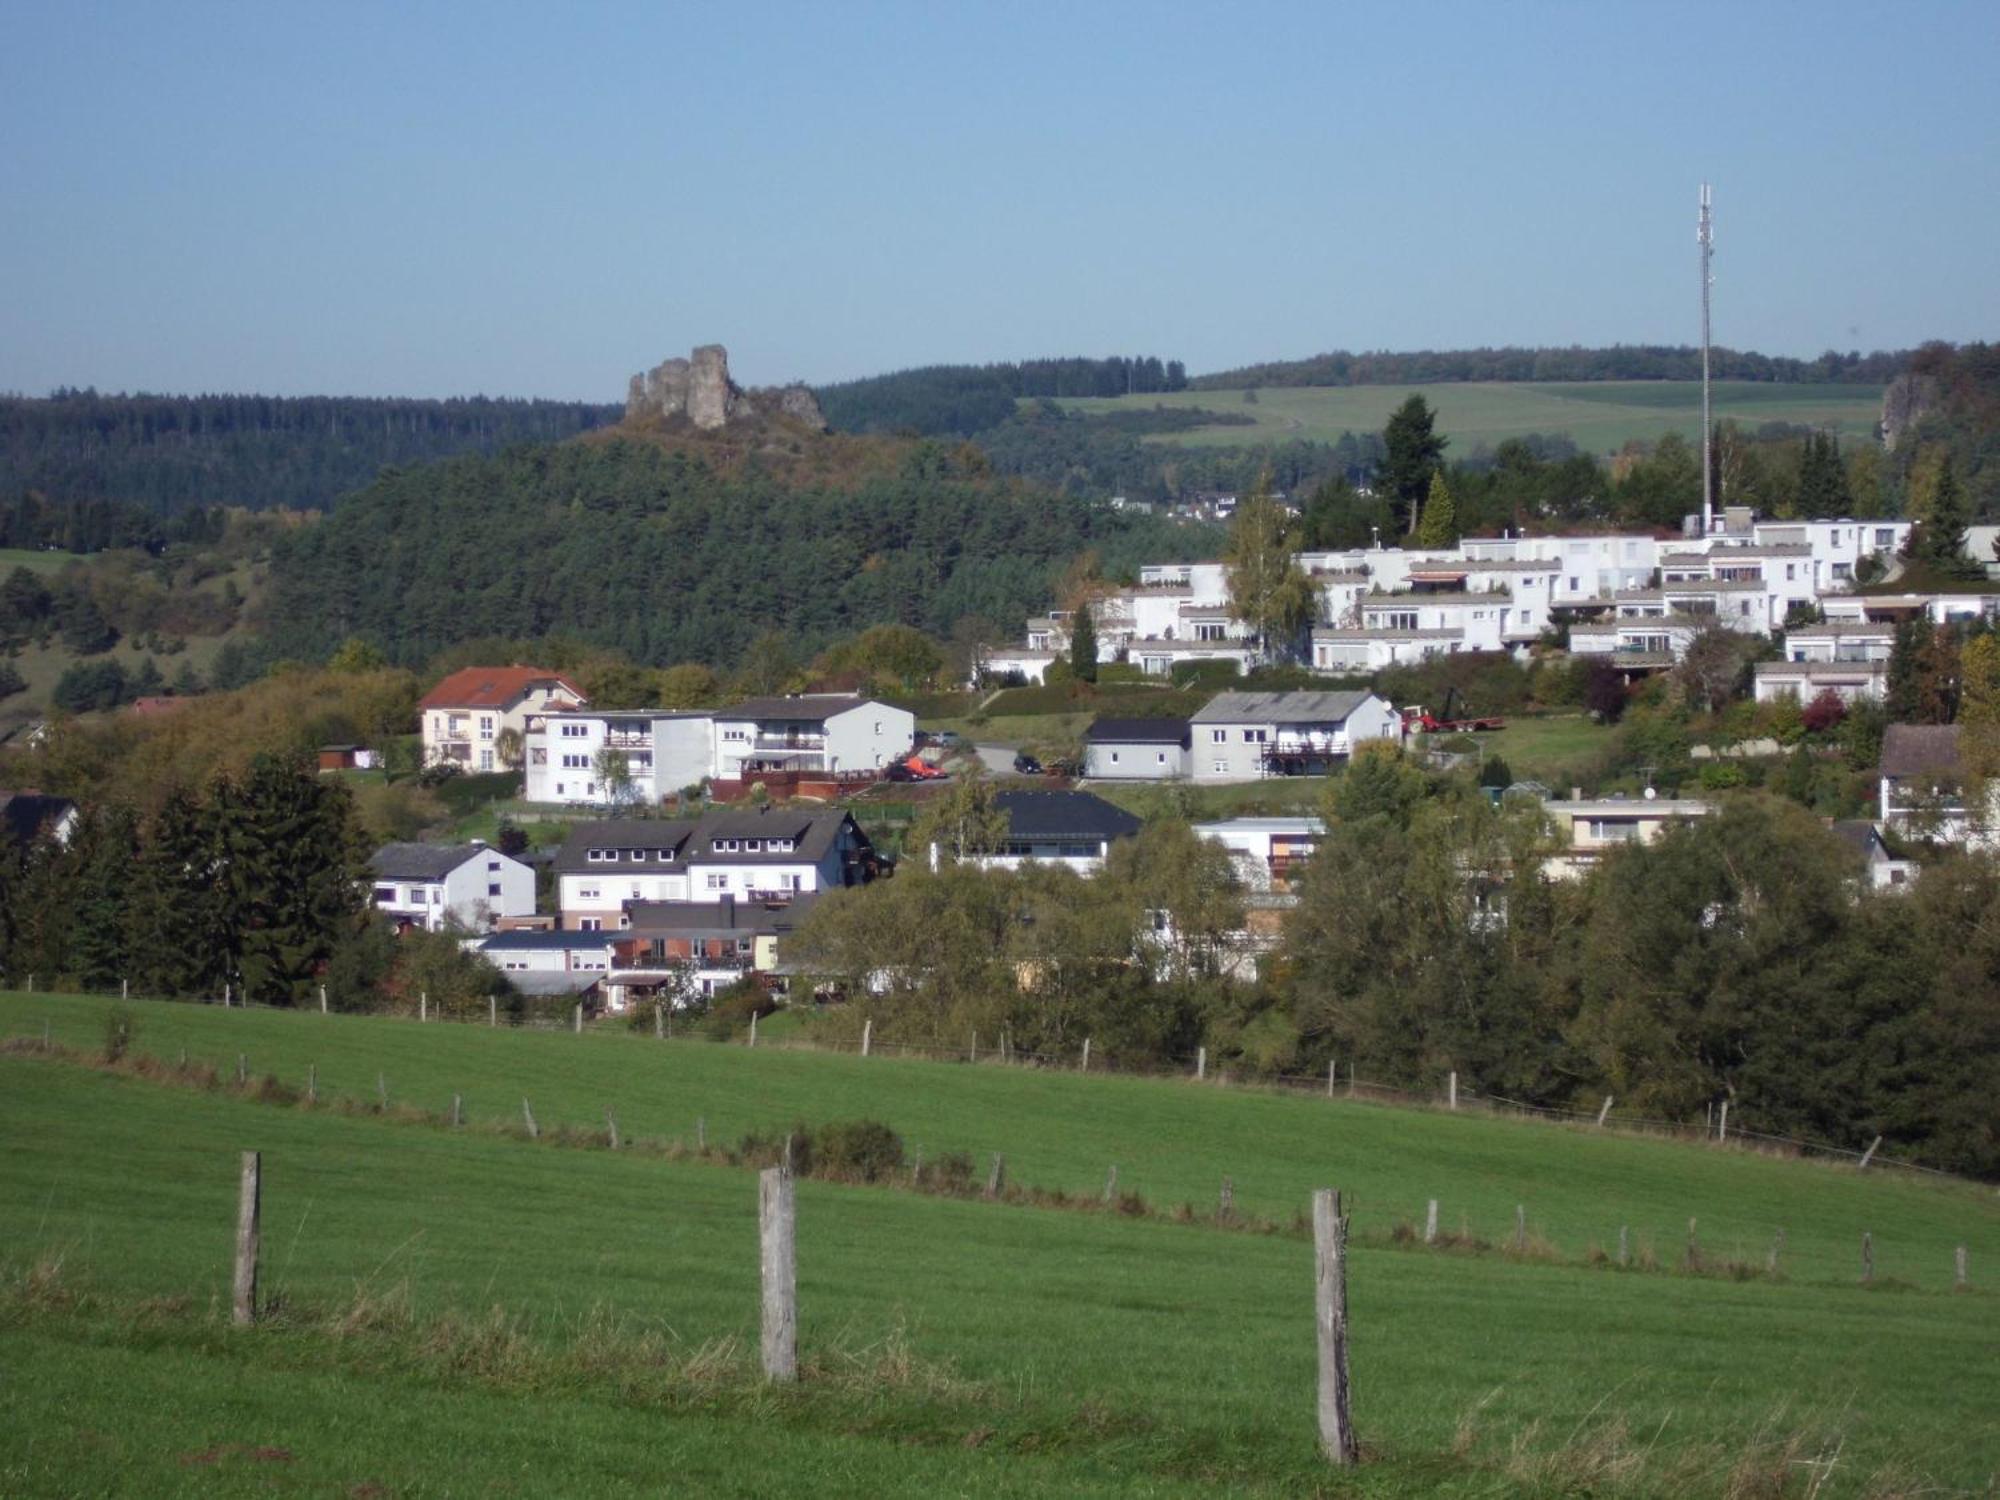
x,y
998,759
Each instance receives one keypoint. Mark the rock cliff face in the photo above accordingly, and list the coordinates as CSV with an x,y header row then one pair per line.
x,y
699,389
1907,401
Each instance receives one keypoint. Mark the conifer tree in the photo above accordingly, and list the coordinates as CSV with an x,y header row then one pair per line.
x,y
1083,643
102,850
294,879
1439,526
178,902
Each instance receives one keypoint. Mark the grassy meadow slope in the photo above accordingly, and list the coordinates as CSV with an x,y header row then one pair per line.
x,y
1054,1352
1599,415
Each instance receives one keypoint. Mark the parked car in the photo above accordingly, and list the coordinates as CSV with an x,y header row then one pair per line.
x,y
1026,765
948,738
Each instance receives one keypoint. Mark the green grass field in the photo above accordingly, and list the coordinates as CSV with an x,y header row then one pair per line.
x,y
1558,750
1086,1353
35,560
1600,416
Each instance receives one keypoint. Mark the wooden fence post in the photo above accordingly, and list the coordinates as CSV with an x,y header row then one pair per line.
x,y
457,1110
701,1132
996,1180
31,984
1958,1268
423,1005
492,1011
1722,1122
867,1035
1867,1256
1332,1070
249,1207
1604,1111
1431,1223
1111,1184
611,1126
753,1028
917,1168
225,994
1225,1203
659,1021
322,999
776,1237
1452,1085
1624,1245
1520,1226
124,989
382,1089
528,1119
1868,1155
1777,1252
1693,1248
1086,1055
1200,1064
1336,1426
242,1070
46,1041
312,1083
576,1024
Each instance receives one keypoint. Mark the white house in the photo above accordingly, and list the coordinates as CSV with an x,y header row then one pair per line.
x,y
841,736
752,855
1136,749
1269,853
1923,789
548,963
435,886
1589,829
1245,736
1849,681
1074,830
1880,870
463,717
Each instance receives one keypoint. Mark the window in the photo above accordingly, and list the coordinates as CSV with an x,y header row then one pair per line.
x,y
779,846
576,762
1614,830
1161,758
485,760
1114,757
492,866
724,846
753,846
878,726
493,888
594,855
665,854
437,896
1255,736
486,726
735,734
1220,736
588,893
1402,619
589,924
1885,537
385,893
1219,766
718,881
575,731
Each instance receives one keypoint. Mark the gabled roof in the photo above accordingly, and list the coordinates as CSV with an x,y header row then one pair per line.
x,y
1920,749
1863,837
1083,816
493,687
426,861
1138,732
1280,708
647,835
812,834
715,918
797,707
26,816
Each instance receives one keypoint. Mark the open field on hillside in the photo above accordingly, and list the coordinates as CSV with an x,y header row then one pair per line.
x,y
1035,1351
1555,749
35,560
1600,416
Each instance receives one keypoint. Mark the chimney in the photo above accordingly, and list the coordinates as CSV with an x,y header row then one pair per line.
x,y
1576,794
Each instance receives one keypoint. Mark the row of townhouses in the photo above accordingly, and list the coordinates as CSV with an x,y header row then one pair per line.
x,y
1637,598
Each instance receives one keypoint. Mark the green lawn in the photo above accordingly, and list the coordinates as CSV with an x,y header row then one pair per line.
x,y
1087,1353
1279,795
1600,416
1559,750
35,560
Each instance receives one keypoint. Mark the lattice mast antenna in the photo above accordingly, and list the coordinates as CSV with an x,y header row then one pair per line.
x,y
1705,235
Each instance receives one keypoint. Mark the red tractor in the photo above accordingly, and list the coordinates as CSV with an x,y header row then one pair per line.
x,y
1419,720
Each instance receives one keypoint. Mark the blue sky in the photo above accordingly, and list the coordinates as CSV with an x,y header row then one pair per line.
x,y
431,199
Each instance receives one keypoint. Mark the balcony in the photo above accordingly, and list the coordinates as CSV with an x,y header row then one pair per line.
x,y
789,742
629,739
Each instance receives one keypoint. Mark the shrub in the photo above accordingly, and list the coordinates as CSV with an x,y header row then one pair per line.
x,y
857,1150
730,1012
118,1031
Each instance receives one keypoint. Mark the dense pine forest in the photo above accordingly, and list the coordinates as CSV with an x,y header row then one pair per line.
x,y
658,553
166,454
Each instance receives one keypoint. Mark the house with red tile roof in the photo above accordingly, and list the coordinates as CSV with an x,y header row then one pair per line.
x,y
464,717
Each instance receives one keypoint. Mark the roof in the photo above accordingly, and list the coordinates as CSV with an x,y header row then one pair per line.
x,y
26,816
1870,669
715,918
1919,749
1837,629
1862,836
1657,807
626,835
1061,815
492,687
1280,708
1138,731
425,861
800,707
1300,825
544,942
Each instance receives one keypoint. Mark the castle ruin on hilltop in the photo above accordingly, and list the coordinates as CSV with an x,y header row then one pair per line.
x,y
699,389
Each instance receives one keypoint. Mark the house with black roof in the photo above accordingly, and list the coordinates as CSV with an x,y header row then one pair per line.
x,y
1136,749
1073,829
26,818
434,886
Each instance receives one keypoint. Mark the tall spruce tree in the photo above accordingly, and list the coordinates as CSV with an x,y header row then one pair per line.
x,y
1823,489
1439,526
179,902
100,947
1083,643
294,878
1941,533
1413,453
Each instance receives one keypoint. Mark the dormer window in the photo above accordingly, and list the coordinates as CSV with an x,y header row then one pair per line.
x,y
597,855
666,856
752,846
779,846
724,846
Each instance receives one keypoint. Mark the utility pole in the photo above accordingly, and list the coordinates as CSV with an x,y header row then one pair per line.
x,y
1705,235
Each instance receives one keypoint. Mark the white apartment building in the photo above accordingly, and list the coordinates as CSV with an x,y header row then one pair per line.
x,y
1247,736
463,717
1589,829
436,886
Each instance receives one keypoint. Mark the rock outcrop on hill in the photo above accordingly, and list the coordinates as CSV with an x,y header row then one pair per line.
x,y
699,389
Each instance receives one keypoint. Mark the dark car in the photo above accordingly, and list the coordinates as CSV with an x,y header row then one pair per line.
x,y
1026,765
897,771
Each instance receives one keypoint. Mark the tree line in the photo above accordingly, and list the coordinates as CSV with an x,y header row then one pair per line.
x,y
162,455
1738,958
959,400
1617,362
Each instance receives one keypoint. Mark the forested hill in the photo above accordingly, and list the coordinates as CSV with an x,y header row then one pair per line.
x,y
1619,362
668,556
959,400
166,454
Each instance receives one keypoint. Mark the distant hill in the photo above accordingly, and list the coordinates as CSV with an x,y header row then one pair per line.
x,y
959,400
1619,362
167,454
